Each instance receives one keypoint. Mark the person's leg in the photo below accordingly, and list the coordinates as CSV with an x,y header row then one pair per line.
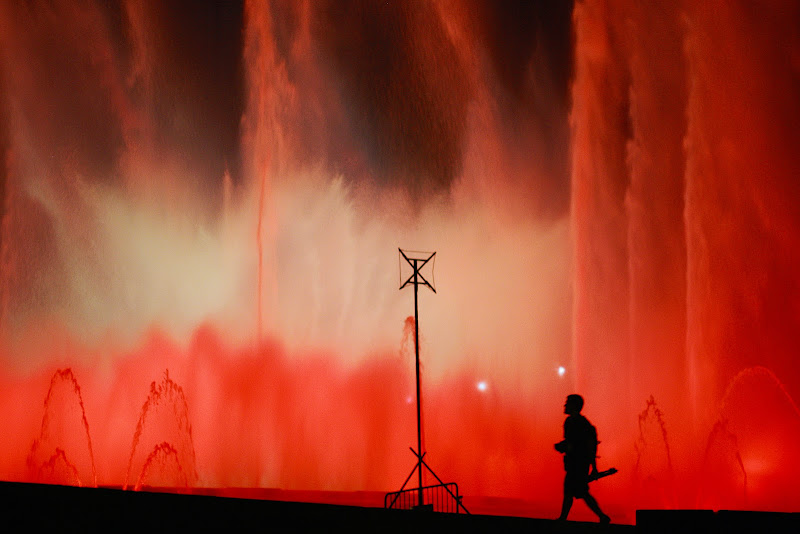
x,y
594,507
566,505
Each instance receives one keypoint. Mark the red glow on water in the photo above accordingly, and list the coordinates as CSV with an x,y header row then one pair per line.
x,y
631,235
681,136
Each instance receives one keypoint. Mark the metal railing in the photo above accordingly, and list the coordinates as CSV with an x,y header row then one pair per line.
x,y
439,498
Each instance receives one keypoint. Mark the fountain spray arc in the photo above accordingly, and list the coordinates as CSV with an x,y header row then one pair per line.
x,y
417,260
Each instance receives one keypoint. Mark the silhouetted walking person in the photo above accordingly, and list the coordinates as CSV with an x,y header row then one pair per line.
x,y
580,454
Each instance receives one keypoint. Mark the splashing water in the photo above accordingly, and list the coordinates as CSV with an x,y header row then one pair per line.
x,y
163,466
651,419
229,207
671,135
723,476
754,435
167,397
758,371
653,470
50,436
58,470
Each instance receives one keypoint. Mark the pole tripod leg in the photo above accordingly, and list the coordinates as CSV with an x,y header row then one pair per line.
x,y
416,466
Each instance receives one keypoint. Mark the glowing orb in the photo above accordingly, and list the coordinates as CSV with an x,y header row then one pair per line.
x,y
561,370
482,385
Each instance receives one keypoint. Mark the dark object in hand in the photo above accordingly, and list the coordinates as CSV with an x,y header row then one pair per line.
x,y
561,446
600,474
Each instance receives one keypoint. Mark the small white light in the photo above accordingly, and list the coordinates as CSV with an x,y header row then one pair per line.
x,y
409,399
482,385
561,370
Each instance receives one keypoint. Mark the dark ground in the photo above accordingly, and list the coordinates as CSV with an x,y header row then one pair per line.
x,y
89,509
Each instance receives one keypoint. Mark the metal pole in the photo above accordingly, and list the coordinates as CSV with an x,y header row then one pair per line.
x,y
419,404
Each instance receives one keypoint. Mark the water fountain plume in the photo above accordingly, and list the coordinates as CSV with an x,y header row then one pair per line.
x,y
158,459
47,472
41,444
718,488
610,186
758,371
166,395
655,479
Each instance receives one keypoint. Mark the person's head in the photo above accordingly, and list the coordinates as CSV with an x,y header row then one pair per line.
x,y
574,404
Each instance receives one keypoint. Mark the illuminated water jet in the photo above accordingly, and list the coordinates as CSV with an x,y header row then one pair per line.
x,y
50,437
48,472
674,294
167,397
721,450
629,193
165,459
653,472
758,371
